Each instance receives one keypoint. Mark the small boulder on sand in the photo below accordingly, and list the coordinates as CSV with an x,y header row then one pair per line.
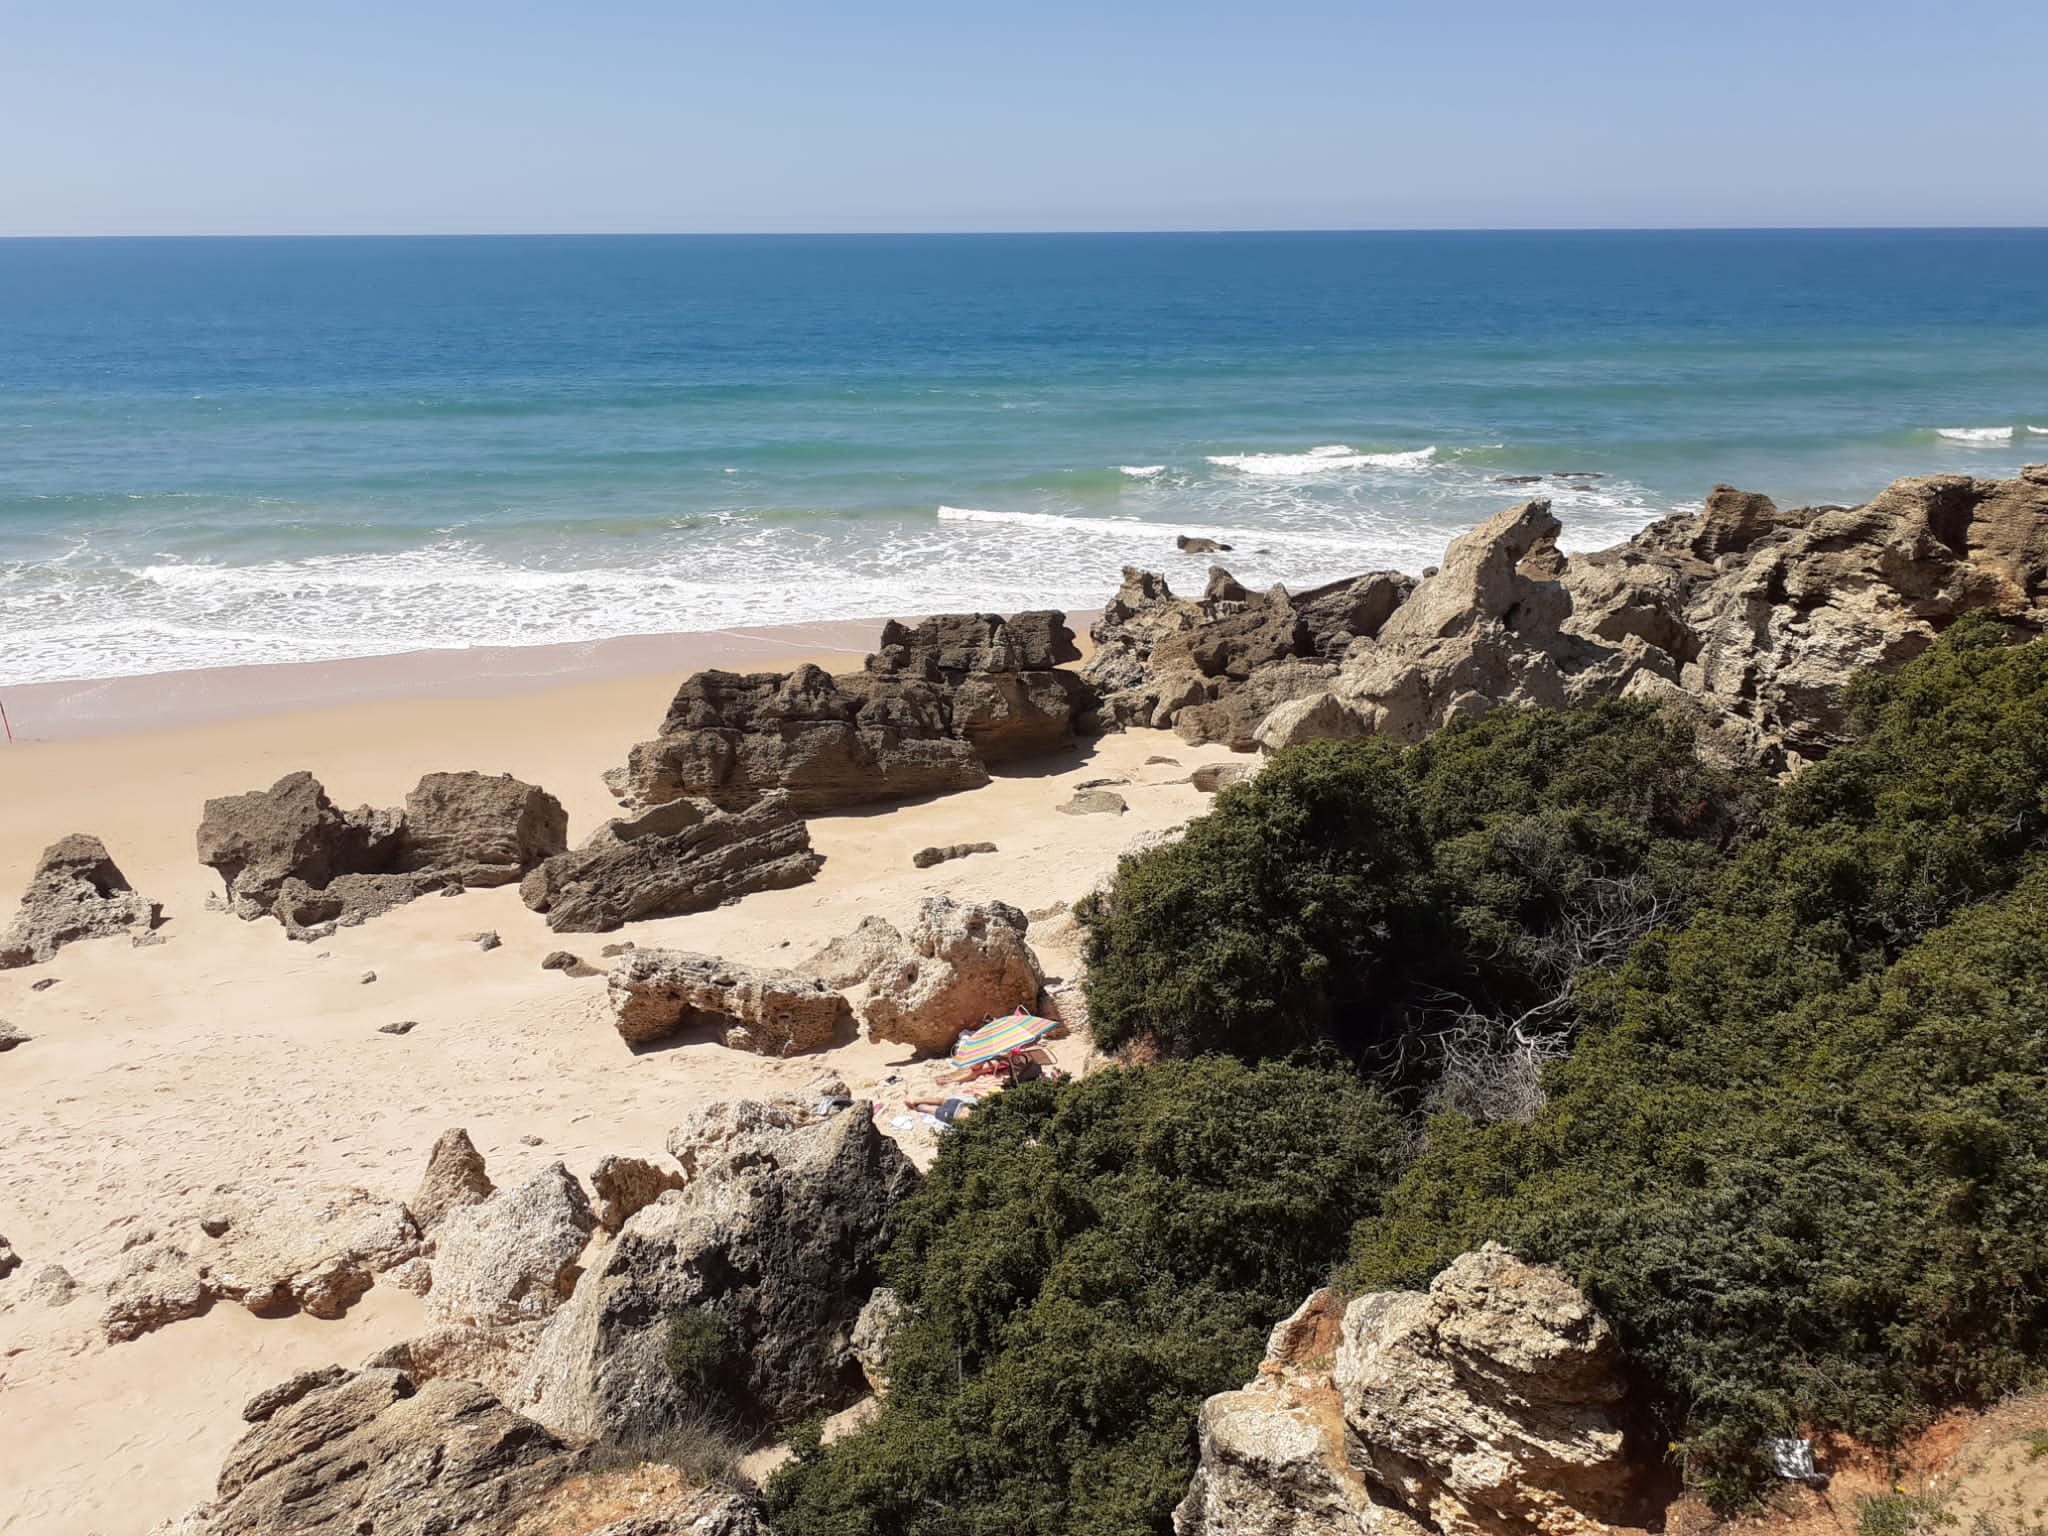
x,y
12,1035
1094,802
925,858
77,892
960,964
659,992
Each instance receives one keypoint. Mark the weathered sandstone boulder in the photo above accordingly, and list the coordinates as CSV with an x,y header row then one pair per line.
x,y
288,852
659,992
511,1258
1211,668
944,853
872,1330
374,1452
1488,1404
680,857
732,1134
960,965
12,1035
933,706
455,1177
492,1356
77,892
272,1250
1491,1402
628,1184
782,1249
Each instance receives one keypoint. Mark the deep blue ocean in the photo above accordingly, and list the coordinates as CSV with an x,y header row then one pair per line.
x,y
248,450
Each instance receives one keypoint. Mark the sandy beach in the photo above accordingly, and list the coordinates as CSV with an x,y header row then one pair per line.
x,y
229,1054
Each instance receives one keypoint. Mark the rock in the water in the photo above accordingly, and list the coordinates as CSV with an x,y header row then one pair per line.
x,y
1093,802
925,858
455,1177
659,992
12,1035
959,966
77,892
511,1258
682,856
373,1452
872,1330
1484,1407
287,852
51,1286
278,1250
628,1184
933,706
782,1249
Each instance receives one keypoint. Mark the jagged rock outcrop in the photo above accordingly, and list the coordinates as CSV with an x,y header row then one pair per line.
x,y
934,705
511,1258
1487,1406
679,857
1212,668
706,1512
960,965
492,1356
373,1451
782,1247
1749,618
272,1250
288,852
455,1177
659,992
722,1137
76,892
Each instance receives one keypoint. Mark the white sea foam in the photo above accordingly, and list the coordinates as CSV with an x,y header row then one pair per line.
x,y
1975,434
1328,459
2042,431
1142,471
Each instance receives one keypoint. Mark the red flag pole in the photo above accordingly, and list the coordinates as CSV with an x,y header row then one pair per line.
x,y
3,721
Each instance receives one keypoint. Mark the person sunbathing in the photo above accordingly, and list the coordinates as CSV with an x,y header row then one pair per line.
x,y
954,1106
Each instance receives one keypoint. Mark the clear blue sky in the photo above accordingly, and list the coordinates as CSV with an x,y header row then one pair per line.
x,y
230,116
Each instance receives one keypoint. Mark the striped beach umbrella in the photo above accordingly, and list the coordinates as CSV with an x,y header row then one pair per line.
x,y
999,1037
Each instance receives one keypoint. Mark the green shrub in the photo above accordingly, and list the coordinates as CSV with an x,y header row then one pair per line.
x,y
1086,1263
1800,1157
699,1346
1373,896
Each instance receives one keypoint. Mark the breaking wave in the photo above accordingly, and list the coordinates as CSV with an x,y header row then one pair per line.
x,y
1976,434
1321,461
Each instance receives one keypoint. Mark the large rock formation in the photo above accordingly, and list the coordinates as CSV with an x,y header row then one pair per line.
x,y
1487,1406
288,852
455,1177
372,1451
272,1250
934,705
960,965
1213,667
511,1258
77,892
679,857
659,992
780,1245
1748,617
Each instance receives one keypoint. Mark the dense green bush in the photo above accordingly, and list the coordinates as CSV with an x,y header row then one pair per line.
x,y
1358,892
1801,1154
1086,1262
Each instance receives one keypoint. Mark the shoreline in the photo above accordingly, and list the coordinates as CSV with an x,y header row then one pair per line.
x,y
79,708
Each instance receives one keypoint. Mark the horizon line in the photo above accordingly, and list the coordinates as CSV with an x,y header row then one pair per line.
x,y
1001,234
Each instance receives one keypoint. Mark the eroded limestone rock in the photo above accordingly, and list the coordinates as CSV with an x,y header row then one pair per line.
x,y
659,992
77,892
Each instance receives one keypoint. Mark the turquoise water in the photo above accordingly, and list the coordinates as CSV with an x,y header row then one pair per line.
x,y
219,451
